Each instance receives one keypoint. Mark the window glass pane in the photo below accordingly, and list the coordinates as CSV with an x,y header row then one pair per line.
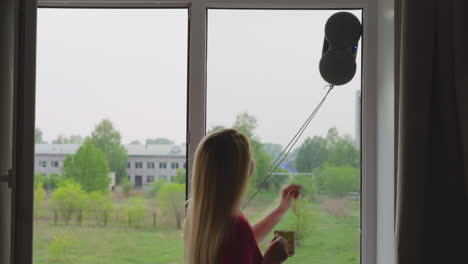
x,y
111,103
263,79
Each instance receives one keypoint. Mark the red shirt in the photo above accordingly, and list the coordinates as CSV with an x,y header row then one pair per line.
x,y
240,246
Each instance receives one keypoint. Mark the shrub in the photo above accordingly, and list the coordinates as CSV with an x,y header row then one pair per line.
x,y
100,204
69,199
126,186
339,181
134,210
172,198
52,181
60,245
39,196
309,185
303,219
156,186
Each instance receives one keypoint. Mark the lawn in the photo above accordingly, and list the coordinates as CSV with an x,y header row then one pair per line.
x,y
334,238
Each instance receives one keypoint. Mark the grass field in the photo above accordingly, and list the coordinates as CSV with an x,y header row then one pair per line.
x,y
333,239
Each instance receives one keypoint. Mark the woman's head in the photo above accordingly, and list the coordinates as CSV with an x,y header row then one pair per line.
x,y
221,169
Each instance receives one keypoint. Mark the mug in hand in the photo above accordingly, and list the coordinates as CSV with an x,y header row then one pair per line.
x,y
290,236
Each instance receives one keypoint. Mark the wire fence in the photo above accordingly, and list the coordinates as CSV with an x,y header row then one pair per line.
x,y
141,219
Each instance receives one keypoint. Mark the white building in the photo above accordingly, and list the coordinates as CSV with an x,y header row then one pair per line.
x,y
146,163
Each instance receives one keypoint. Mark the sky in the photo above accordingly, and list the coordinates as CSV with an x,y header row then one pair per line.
x,y
130,66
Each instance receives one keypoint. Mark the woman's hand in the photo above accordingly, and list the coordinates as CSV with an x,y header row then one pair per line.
x,y
277,252
290,193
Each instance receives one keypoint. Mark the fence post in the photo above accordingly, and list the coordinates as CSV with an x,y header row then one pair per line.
x,y
55,216
154,220
105,217
80,217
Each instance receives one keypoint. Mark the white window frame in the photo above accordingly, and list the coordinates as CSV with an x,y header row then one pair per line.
x,y
373,141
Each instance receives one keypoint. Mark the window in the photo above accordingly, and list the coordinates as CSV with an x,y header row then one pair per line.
x,y
149,178
97,69
54,164
43,164
174,165
185,165
110,38
262,78
162,165
138,165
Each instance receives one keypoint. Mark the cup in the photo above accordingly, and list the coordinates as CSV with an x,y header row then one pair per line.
x,y
290,236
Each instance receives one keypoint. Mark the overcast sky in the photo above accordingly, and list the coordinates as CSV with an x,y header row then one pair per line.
x,y
131,66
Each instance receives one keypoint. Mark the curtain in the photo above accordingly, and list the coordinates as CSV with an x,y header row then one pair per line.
x,y
432,176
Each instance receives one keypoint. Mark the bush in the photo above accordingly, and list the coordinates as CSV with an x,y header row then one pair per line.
x,y
303,220
134,210
156,186
126,186
39,196
60,245
339,181
52,181
172,198
100,204
180,177
69,199
309,185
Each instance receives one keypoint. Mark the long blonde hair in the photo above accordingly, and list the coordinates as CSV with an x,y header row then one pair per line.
x,y
222,166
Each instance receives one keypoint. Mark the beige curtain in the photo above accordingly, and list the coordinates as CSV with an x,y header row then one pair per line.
x,y
432,181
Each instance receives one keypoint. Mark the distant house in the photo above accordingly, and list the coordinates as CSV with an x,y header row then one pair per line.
x,y
145,164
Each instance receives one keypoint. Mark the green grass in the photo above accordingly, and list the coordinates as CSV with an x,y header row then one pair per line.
x,y
109,245
332,240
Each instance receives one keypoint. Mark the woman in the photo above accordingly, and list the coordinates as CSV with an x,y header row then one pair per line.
x,y
216,232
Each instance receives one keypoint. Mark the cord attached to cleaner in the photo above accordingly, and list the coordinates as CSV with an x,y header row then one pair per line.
x,y
284,154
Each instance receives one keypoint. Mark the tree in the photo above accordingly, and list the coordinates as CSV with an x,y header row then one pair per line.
x,y
180,177
339,181
159,141
246,124
52,181
172,199
106,138
73,139
69,199
38,136
157,186
332,137
312,154
135,142
215,129
344,153
126,186
274,150
88,167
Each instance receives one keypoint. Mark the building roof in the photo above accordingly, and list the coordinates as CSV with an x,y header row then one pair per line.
x,y
133,150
